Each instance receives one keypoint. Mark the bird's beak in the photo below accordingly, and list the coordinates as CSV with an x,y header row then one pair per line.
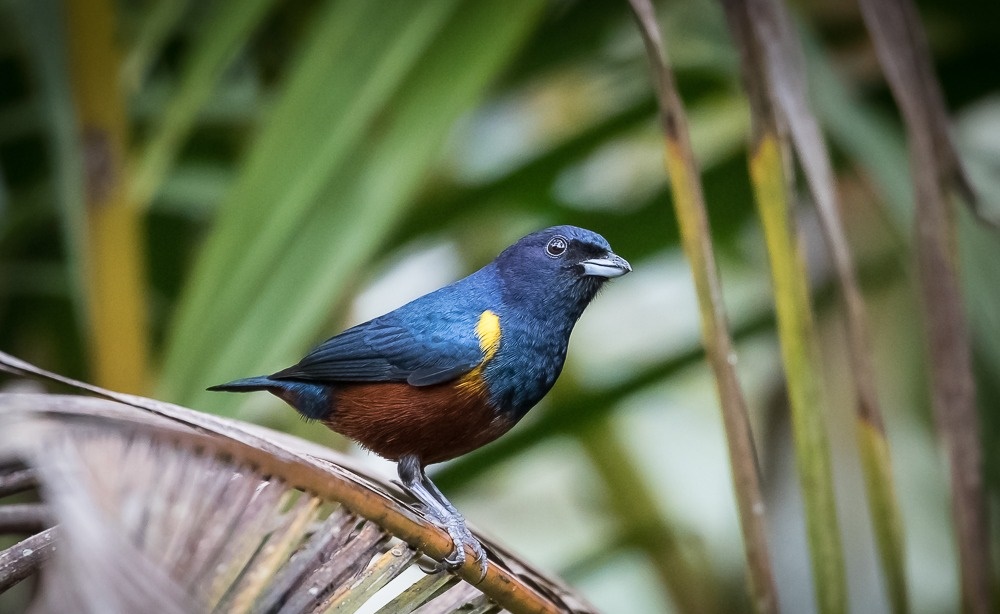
x,y
611,265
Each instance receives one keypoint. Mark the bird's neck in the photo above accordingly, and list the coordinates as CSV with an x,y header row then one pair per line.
x,y
531,356
554,307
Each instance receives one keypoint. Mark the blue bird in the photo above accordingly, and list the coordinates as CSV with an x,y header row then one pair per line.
x,y
454,369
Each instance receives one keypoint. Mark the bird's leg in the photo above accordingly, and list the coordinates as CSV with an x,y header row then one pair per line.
x,y
455,514
416,482
411,475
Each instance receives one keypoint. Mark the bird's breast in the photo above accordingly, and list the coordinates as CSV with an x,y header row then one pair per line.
x,y
435,423
526,364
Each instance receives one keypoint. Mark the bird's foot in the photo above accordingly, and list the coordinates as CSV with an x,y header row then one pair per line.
x,y
442,513
461,537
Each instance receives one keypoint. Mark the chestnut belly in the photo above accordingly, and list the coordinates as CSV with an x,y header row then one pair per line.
x,y
435,423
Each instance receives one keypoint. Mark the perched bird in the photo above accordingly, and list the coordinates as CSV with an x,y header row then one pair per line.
x,y
454,369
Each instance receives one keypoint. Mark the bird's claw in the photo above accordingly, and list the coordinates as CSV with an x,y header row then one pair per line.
x,y
461,537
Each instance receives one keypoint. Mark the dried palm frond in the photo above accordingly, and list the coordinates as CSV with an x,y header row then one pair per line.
x,y
155,506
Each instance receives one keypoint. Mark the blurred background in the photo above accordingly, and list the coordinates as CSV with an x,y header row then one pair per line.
x,y
192,192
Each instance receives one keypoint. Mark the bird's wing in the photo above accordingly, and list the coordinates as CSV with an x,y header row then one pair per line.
x,y
422,349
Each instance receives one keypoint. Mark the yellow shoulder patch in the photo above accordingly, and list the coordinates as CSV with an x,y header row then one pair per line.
x,y
488,331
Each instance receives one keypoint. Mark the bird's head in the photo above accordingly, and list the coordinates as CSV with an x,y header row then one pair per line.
x,y
559,269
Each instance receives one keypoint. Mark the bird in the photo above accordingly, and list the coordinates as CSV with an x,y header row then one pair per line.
x,y
454,369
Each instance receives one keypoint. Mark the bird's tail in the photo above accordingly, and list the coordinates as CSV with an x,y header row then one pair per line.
x,y
311,400
248,384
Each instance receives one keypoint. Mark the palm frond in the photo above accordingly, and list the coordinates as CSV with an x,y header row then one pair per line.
x,y
157,504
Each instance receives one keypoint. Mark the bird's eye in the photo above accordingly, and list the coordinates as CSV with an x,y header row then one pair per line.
x,y
556,247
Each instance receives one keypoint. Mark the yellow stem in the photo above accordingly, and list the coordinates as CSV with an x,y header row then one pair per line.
x,y
113,257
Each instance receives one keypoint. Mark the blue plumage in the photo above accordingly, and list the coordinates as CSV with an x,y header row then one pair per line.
x,y
431,340
456,368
